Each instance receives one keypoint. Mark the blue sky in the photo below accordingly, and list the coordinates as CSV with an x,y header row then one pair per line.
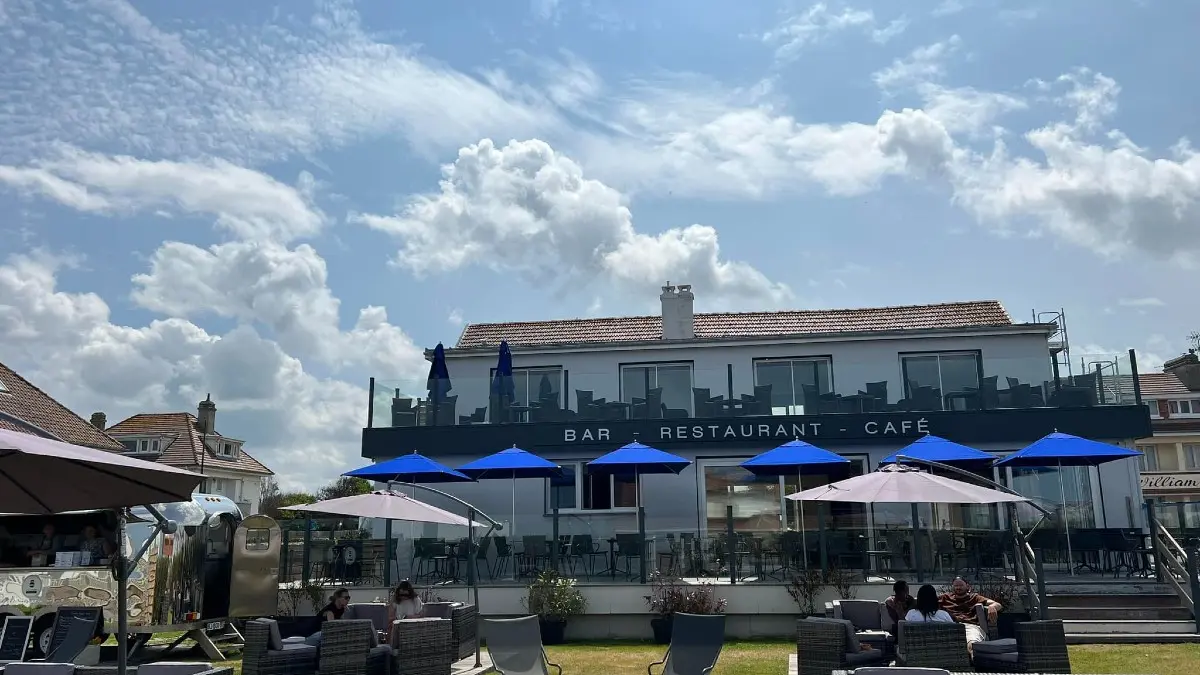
x,y
273,202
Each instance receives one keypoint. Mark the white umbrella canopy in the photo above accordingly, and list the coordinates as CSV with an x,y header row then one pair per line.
x,y
898,484
42,476
386,505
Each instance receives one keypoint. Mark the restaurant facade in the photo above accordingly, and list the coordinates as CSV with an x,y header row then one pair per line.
x,y
1170,463
718,389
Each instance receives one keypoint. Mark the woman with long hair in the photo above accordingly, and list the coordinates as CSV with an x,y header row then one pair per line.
x,y
928,608
406,603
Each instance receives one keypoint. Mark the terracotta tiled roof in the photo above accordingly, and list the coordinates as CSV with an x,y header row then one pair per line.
x,y
1156,385
185,442
25,408
978,314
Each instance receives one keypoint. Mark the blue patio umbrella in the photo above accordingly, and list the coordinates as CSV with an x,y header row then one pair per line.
x,y
511,463
1059,450
503,389
637,459
438,382
795,458
937,449
413,468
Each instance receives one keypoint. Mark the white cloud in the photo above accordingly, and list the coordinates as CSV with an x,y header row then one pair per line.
x,y
819,21
245,202
1140,302
306,428
920,65
527,208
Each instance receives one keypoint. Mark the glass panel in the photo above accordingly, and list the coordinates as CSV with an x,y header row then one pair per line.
x,y
634,382
960,373
1168,459
520,386
777,375
597,491
1075,494
676,385
1191,455
755,500
562,489
258,539
921,371
813,372
545,384
624,492
843,516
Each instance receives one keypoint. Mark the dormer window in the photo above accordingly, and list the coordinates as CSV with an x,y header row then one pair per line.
x,y
142,444
227,449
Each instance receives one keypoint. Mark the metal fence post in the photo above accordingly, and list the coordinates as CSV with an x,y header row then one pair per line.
x,y
1039,569
917,561
388,549
730,544
554,545
641,521
1152,522
306,553
1194,584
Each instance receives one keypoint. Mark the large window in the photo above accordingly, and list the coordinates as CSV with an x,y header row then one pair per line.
x,y
580,490
674,379
789,379
1149,459
1060,490
759,503
938,375
1191,456
536,384
1184,407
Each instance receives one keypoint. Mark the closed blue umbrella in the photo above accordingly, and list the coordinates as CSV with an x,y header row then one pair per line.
x,y
1059,450
795,458
503,389
438,382
936,449
512,463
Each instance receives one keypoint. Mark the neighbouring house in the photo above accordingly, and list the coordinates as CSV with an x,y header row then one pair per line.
x,y
192,442
1171,457
27,409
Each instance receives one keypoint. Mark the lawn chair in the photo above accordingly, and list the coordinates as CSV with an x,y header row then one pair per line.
x,y
515,646
696,641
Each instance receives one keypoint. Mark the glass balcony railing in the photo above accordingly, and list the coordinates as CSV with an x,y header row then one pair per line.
x,y
960,381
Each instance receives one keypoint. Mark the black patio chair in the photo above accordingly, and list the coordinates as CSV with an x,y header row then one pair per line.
x,y
696,642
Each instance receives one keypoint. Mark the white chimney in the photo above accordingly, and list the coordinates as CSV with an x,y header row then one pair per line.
x,y
677,312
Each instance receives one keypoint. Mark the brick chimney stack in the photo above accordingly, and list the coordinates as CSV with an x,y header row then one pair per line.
x,y
206,415
99,420
1186,368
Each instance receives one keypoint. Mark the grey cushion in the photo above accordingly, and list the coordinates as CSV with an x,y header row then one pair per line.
x,y
893,670
1007,657
864,614
39,668
381,649
298,647
173,668
274,641
996,646
295,639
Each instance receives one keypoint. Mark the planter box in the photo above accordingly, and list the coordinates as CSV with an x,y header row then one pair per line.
x,y
553,632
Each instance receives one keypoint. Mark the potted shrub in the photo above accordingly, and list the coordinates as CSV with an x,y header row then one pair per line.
x,y
1008,594
843,582
555,599
805,589
298,613
669,595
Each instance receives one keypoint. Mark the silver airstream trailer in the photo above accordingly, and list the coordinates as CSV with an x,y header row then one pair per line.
x,y
216,566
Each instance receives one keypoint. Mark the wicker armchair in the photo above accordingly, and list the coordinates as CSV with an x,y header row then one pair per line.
x,y
1041,648
266,654
933,645
351,647
423,646
825,645
464,620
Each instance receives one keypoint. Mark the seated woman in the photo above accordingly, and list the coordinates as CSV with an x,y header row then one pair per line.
x,y
91,542
928,608
331,612
406,604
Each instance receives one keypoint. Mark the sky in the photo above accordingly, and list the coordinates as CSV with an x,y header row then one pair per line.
x,y
274,202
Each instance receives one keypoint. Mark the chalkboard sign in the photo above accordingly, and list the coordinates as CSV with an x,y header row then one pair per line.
x,y
14,638
63,626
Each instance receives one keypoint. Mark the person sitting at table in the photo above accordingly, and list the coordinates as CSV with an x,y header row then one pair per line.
x,y
927,608
960,602
91,542
48,545
406,604
898,604
331,612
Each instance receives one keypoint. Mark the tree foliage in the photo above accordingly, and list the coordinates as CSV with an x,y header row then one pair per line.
x,y
346,486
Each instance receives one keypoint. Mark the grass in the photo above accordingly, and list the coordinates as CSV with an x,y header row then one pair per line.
x,y
770,658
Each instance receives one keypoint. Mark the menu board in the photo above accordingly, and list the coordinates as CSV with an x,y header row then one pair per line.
x,y
68,615
14,638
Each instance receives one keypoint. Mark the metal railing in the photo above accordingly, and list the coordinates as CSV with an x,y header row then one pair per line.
x,y
1174,564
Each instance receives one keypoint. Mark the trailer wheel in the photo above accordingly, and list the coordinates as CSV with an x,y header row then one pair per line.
x,y
43,633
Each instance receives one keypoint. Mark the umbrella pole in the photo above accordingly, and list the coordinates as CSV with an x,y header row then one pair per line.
x,y
122,599
803,527
512,526
1103,510
1066,520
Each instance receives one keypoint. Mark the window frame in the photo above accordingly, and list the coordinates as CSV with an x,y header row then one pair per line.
x,y
903,356
1152,404
791,360
562,380
579,466
1193,406
1191,461
691,401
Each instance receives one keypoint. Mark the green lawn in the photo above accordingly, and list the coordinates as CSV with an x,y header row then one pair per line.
x,y
770,658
